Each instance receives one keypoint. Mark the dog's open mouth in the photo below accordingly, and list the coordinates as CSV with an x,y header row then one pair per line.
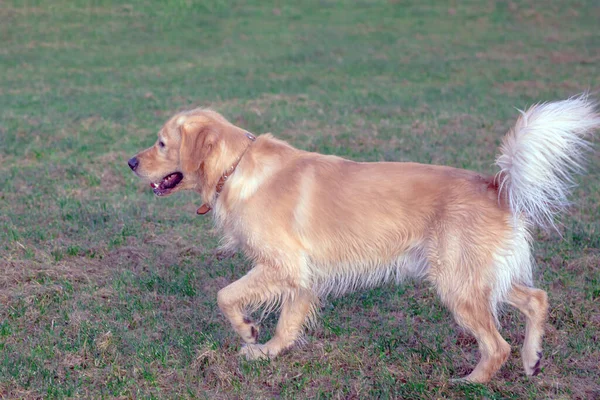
x,y
167,184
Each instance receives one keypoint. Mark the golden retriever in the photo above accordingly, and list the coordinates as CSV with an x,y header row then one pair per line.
x,y
318,224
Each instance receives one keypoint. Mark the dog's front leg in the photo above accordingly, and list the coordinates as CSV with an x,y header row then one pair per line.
x,y
294,313
264,285
234,299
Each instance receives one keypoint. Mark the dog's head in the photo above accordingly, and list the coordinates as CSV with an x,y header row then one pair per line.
x,y
193,150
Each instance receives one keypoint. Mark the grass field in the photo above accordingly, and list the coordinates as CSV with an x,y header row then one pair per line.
x,y
107,291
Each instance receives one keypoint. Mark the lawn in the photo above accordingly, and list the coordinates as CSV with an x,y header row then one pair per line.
x,y
107,291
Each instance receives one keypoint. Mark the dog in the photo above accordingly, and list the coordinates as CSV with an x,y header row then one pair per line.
x,y
317,225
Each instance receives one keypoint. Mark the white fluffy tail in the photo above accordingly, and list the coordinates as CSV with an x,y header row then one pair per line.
x,y
540,154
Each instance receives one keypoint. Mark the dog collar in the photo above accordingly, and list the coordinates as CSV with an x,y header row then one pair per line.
x,y
204,208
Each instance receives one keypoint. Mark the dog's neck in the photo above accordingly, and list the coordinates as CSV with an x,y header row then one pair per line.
x,y
206,207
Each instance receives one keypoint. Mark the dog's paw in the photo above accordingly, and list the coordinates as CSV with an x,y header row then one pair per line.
x,y
460,381
255,352
473,378
222,254
251,331
533,364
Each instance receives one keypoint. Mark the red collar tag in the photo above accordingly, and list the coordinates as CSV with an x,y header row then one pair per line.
x,y
204,208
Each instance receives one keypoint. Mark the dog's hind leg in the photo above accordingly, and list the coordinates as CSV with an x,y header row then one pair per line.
x,y
466,293
294,312
475,315
533,303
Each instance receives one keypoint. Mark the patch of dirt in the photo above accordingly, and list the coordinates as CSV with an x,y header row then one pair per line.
x,y
305,128
570,56
174,247
124,10
41,273
30,277
261,105
534,87
517,51
129,257
53,45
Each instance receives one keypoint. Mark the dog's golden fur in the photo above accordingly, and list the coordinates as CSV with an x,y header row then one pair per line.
x,y
317,224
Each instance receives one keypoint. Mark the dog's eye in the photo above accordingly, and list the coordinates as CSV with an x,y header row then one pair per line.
x,y
161,144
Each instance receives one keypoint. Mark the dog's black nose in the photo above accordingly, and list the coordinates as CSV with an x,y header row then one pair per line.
x,y
133,163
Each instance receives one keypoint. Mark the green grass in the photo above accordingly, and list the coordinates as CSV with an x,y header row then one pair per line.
x,y
107,291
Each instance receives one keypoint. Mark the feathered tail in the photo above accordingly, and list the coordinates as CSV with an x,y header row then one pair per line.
x,y
540,154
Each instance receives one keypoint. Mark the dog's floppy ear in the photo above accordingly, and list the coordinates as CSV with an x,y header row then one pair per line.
x,y
198,140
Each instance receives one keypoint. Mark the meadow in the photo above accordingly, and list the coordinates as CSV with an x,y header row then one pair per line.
x,y
107,291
